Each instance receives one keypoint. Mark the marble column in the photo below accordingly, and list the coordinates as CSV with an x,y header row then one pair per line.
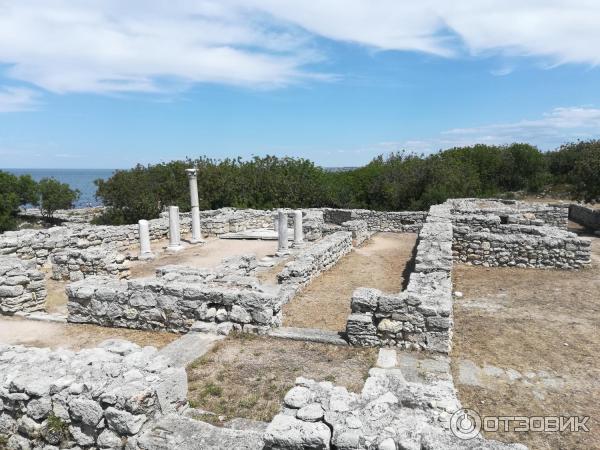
x,y
282,246
196,230
298,235
144,232
174,230
276,222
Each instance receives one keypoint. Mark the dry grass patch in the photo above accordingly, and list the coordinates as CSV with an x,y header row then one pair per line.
x,y
380,263
532,322
247,376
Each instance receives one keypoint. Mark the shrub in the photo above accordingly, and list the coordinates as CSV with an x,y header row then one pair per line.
x,y
55,195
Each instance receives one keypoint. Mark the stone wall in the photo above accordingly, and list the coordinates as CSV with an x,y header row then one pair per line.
x,y
315,259
22,286
420,317
220,299
94,398
359,229
583,215
514,211
483,236
40,244
75,215
75,265
548,248
173,303
396,221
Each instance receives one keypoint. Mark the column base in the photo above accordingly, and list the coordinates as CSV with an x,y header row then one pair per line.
x,y
174,248
146,256
197,241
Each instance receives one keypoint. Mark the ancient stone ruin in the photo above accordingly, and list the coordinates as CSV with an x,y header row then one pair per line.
x,y
121,395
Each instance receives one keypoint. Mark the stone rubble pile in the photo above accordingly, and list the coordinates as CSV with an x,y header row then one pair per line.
x,y
420,317
75,264
22,286
93,398
390,413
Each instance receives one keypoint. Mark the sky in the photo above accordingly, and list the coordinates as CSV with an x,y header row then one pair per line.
x,y
108,83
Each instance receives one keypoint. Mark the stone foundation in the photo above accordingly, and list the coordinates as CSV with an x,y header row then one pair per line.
x,y
22,286
587,217
315,259
419,318
395,221
75,265
94,398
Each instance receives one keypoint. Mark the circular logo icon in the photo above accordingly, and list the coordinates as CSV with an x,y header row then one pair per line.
x,y
465,423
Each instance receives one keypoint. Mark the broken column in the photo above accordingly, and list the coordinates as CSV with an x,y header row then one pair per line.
x,y
283,232
144,232
174,230
298,235
196,231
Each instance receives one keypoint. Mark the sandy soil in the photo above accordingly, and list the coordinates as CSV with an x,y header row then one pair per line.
x,y
380,263
526,343
14,330
247,376
209,254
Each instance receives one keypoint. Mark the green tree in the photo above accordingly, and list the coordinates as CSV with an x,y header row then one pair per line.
x,y
56,195
14,192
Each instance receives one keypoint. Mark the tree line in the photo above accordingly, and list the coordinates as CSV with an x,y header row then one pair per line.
x,y
16,191
396,182
399,181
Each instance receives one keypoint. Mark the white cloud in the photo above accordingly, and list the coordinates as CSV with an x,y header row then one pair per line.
x,y
17,99
156,45
551,130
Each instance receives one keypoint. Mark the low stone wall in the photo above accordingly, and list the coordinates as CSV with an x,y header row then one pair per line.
x,y
359,229
75,215
94,398
315,259
514,211
587,217
395,221
550,248
22,287
75,265
38,245
420,317
174,305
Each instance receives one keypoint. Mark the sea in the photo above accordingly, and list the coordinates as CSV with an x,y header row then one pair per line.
x,y
82,179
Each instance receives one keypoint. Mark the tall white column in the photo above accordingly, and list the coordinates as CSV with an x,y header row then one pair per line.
x,y
282,246
276,222
174,230
144,232
298,235
196,230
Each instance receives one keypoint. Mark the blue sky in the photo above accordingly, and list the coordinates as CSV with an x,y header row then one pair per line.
x,y
107,84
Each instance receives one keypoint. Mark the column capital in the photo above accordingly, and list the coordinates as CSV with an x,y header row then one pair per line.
x,y
192,173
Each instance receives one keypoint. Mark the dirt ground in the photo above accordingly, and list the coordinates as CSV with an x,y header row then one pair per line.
x,y
209,254
31,333
379,263
247,376
526,343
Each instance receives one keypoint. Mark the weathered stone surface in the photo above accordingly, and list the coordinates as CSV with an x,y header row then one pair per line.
x,y
101,396
287,432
